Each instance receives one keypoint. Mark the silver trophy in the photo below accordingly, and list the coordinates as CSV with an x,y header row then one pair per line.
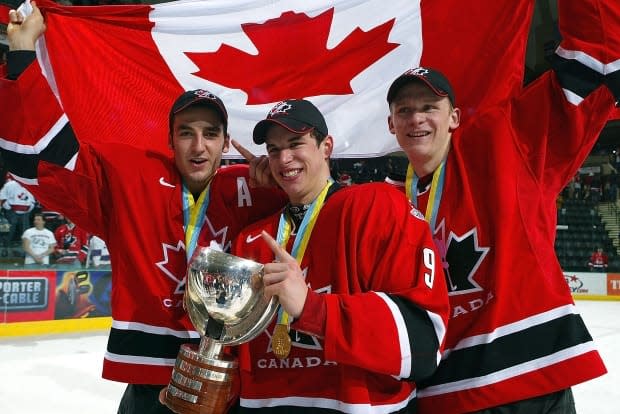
x,y
225,302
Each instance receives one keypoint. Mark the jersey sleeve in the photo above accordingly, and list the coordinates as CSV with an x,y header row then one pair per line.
x,y
397,325
41,150
557,119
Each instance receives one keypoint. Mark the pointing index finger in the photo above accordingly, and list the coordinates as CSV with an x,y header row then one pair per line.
x,y
245,153
281,254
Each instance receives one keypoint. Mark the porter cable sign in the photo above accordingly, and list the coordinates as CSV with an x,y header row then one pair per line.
x,y
23,293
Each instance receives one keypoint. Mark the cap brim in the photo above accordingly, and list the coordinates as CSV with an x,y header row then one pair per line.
x,y
405,79
205,102
260,130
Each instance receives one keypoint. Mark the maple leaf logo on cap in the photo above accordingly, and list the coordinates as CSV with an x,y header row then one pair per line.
x,y
433,78
279,108
417,71
201,93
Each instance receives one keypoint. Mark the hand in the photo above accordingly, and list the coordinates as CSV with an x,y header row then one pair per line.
x,y
23,32
260,174
284,279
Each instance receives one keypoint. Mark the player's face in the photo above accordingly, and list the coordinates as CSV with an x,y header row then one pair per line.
x,y
198,141
423,123
297,163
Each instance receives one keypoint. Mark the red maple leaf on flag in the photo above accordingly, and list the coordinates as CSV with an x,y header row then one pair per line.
x,y
293,59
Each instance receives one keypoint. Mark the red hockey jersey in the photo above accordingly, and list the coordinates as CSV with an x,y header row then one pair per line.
x,y
373,258
71,244
133,200
514,331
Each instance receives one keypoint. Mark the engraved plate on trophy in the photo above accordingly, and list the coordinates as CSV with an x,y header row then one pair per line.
x,y
225,302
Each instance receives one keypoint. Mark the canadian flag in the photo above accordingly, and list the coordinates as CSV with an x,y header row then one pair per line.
x,y
117,69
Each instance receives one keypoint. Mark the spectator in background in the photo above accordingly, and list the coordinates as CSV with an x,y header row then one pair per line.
x,y
17,203
345,180
613,186
577,186
559,201
5,229
71,244
595,189
610,176
98,252
598,261
587,194
38,242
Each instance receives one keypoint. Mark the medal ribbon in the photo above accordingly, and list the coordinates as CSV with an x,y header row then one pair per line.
x,y
194,217
303,235
434,198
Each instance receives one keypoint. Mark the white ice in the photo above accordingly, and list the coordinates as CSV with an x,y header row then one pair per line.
x,y
62,374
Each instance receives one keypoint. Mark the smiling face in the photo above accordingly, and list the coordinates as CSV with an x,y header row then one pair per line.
x,y
298,164
423,123
198,141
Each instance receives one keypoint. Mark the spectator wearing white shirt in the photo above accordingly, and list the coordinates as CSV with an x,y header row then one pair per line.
x,y
38,242
17,203
98,252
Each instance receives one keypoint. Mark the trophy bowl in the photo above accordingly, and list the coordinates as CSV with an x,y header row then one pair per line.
x,y
224,298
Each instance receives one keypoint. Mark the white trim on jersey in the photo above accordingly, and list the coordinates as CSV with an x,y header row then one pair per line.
x,y
440,330
509,373
403,336
589,61
151,329
41,144
572,97
514,327
132,359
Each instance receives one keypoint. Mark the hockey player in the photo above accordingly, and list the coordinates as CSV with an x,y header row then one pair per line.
x,y
151,209
515,342
355,269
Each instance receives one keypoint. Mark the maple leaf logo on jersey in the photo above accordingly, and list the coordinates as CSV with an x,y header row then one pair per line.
x,y
298,43
174,264
23,196
461,258
174,261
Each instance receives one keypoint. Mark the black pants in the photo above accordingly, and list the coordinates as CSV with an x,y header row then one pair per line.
x,y
560,402
142,399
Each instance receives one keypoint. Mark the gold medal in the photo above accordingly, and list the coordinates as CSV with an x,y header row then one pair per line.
x,y
281,341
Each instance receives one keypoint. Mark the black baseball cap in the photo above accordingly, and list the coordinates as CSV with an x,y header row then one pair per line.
x,y
198,96
296,115
434,79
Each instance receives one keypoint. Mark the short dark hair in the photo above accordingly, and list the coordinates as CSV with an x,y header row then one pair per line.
x,y
318,136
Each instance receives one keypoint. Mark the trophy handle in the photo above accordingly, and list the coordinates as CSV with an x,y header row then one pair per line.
x,y
205,380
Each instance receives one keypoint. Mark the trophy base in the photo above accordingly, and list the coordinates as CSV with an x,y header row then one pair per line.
x,y
201,384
